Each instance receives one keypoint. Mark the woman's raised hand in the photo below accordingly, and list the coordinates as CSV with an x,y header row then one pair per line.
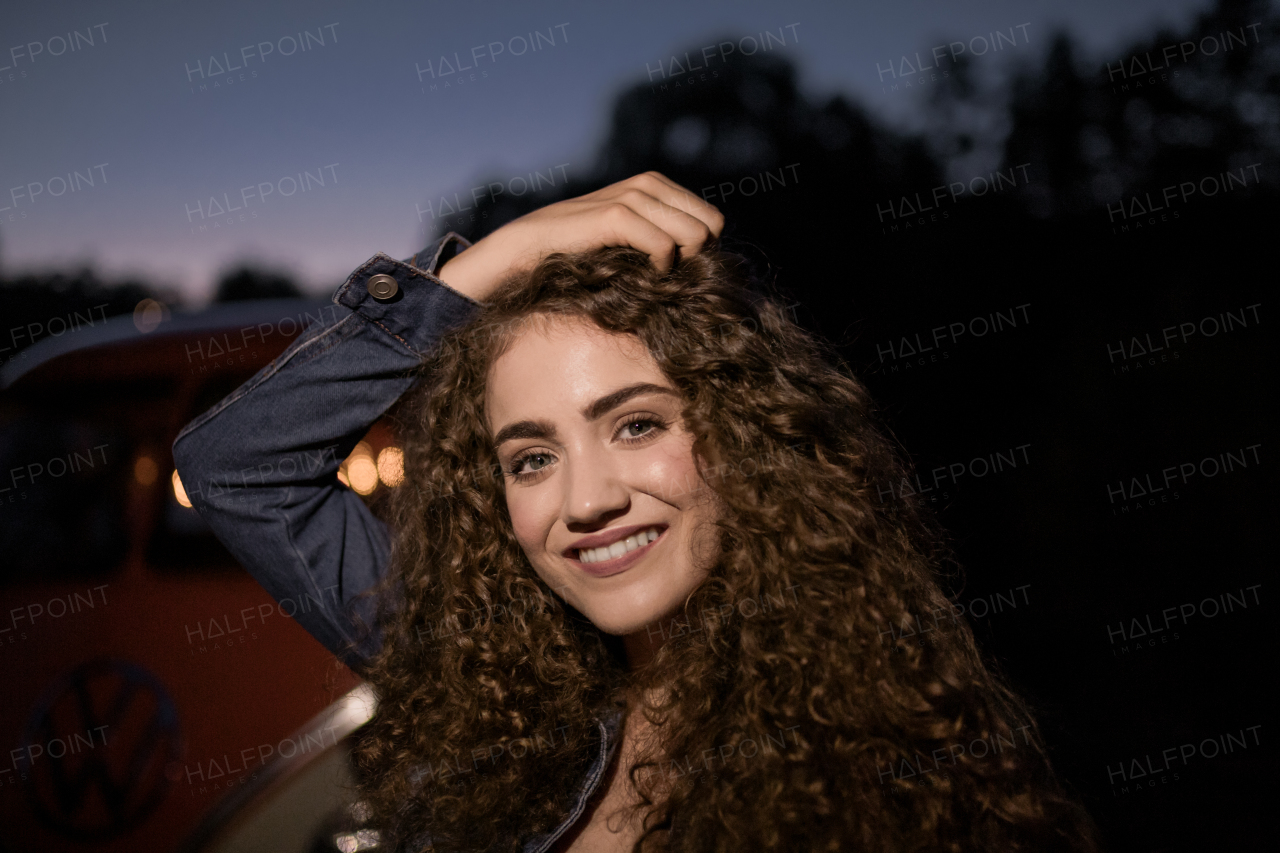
x,y
649,212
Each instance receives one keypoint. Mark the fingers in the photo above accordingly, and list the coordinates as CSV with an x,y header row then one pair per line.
x,y
689,232
648,212
620,225
683,222
671,194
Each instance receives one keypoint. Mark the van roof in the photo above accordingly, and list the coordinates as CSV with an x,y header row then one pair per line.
x,y
122,331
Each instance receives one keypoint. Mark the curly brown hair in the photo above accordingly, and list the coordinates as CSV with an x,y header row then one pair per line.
x,y
860,740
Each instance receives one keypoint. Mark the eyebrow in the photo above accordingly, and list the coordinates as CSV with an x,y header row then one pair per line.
x,y
606,404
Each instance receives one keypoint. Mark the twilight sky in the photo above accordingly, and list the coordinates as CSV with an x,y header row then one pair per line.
x,y
323,132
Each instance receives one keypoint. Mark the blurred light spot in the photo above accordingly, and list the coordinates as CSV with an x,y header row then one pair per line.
x,y
361,470
361,839
179,493
147,314
686,138
391,466
364,475
145,470
361,811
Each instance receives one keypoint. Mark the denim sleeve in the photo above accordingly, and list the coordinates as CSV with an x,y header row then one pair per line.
x,y
261,466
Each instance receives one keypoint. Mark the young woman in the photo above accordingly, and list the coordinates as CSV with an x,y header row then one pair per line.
x,y
638,588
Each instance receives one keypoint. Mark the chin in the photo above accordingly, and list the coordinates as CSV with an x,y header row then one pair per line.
x,y
620,625
622,617
642,598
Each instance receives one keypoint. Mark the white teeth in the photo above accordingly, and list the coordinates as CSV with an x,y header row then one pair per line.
x,y
617,549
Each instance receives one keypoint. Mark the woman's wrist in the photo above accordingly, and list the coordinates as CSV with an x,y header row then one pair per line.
x,y
648,212
465,272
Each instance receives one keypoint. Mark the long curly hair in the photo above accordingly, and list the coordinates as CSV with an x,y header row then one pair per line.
x,y
799,708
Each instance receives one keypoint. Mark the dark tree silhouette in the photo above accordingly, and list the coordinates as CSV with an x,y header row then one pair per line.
x,y
1173,108
38,306
246,282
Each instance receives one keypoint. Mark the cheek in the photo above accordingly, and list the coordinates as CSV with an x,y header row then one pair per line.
x,y
532,514
670,473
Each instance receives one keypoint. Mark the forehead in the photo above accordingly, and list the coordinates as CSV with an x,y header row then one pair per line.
x,y
556,363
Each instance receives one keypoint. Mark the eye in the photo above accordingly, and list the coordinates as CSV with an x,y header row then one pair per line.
x,y
639,427
635,429
536,462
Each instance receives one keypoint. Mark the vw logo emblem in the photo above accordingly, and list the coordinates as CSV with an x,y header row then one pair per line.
x,y
96,745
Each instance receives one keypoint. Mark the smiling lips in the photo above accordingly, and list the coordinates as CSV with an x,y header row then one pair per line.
x,y
622,546
613,551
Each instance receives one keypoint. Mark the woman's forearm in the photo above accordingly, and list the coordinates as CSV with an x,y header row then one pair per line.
x,y
260,466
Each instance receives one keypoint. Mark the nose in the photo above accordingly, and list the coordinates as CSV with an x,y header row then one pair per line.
x,y
594,491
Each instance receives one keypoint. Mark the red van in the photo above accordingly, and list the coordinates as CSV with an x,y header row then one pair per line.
x,y
152,690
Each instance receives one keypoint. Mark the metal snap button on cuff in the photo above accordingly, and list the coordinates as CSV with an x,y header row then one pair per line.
x,y
382,287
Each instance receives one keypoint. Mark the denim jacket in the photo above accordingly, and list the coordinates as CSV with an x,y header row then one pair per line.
x,y
261,466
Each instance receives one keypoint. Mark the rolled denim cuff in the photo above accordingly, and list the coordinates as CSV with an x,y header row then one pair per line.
x,y
439,252
421,306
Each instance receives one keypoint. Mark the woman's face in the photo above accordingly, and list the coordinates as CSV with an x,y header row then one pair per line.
x,y
597,464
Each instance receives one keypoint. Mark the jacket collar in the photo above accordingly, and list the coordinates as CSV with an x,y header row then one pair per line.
x,y
610,724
